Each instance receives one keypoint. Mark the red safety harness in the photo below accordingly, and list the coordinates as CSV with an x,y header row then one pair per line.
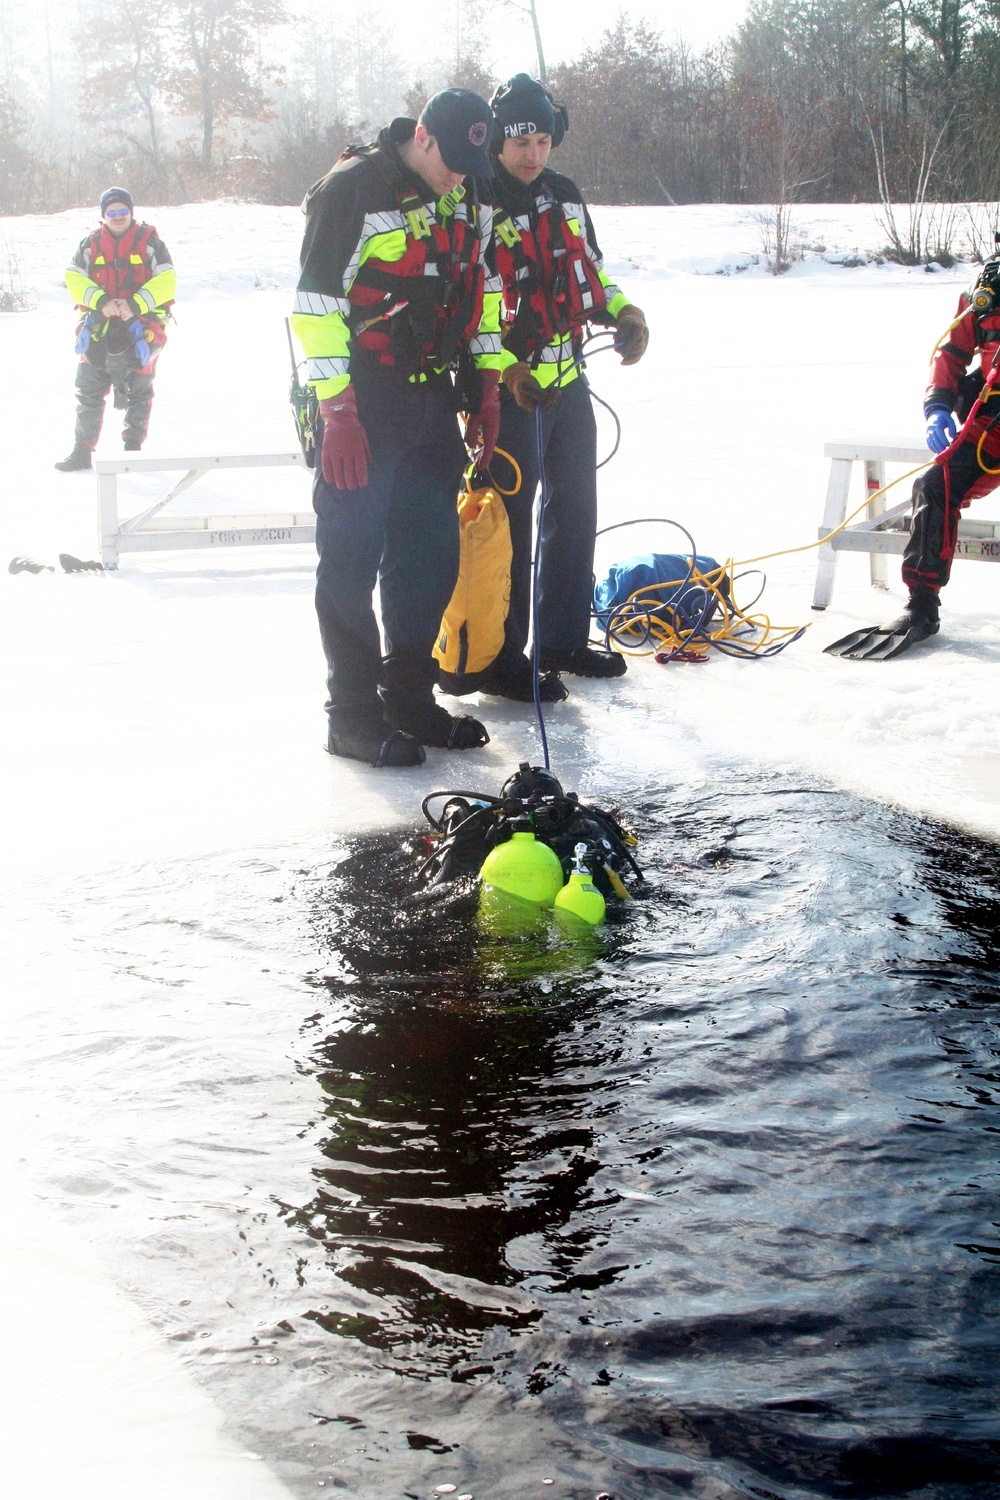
x,y
121,266
416,311
551,285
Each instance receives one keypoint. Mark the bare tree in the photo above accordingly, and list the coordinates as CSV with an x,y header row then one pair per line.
x,y
216,72
916,195
530,9
124,50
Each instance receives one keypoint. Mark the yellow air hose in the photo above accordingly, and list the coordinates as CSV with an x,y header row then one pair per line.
x,y
645,624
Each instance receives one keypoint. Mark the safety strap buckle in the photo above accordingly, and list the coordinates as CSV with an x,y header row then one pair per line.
x,y
448,203
508,231
415,216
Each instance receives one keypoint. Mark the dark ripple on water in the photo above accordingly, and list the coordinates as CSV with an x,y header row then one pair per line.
x,y
704,1205
720,1200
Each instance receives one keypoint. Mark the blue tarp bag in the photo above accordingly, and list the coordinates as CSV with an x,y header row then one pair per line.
x,y
688,605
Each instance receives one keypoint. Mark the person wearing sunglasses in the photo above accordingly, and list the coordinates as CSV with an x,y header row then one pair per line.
x,y
122,280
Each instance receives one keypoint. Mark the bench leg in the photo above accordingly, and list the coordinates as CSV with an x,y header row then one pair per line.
x,y
107,518
833,514
874,481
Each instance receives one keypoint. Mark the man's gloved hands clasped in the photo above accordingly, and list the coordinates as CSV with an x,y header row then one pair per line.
x,y
524,387
346,455
940,427
631,334
483,426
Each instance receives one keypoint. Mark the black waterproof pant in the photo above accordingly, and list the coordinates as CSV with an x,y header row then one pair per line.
x,y
569,526
939,496
95,376
400,531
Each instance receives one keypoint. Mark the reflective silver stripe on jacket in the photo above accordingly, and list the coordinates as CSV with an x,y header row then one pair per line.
x,y
317,304
555,353
327,369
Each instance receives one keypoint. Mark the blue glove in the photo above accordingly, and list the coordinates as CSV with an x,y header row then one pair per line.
x,y
83,337
940,428
141,347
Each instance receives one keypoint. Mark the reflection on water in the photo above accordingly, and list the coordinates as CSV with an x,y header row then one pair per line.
x,y
705,1206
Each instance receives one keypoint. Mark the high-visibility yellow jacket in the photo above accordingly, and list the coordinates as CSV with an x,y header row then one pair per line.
x,y
388,269
135,266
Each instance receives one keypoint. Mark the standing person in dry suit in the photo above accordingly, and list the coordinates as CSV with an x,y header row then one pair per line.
x,y
122,280
554,285
962,419
398,314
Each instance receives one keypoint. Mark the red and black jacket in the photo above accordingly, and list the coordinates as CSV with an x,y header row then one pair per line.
x,y
550,263
135,266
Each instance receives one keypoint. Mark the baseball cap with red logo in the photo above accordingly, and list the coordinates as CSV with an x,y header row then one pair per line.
x,y
461,122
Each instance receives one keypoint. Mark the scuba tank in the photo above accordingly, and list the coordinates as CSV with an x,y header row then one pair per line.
x,y
579,896
524,867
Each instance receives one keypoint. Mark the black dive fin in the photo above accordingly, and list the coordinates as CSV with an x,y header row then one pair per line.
x,y
883,642
71,564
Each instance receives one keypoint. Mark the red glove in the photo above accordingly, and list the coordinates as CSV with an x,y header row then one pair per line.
x,y
346,454
483,426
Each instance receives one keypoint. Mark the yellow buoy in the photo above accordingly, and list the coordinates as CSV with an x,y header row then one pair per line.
x,y
580,896
525,868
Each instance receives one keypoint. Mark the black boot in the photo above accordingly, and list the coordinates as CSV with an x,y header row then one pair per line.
x,y
519,685
373,741
512,679
132,445
80,458
585,661
431,724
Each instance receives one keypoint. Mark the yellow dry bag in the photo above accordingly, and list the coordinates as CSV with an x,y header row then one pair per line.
x,y
472,629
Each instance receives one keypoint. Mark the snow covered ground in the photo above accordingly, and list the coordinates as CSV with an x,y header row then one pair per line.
x,y
178,704
175,708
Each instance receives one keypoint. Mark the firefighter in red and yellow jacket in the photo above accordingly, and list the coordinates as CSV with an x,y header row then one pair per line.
x,y
398,315
554,286
962,417
122,280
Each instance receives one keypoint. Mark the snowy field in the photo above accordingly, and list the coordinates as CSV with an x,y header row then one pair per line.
x,y
174,709
178,704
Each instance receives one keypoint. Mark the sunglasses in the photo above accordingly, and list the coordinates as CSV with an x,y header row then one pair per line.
x,y
117,213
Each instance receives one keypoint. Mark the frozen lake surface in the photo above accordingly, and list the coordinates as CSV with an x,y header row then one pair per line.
x,y
705,1205
710,1210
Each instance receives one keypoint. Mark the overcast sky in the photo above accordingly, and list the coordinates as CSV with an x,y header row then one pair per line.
x,y
428,28
568,26
424,32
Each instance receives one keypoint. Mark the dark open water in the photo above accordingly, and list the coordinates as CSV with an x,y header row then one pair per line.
x,y
706,1206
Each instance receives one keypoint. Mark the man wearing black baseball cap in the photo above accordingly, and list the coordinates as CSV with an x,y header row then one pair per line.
x,y
122,280
398,315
